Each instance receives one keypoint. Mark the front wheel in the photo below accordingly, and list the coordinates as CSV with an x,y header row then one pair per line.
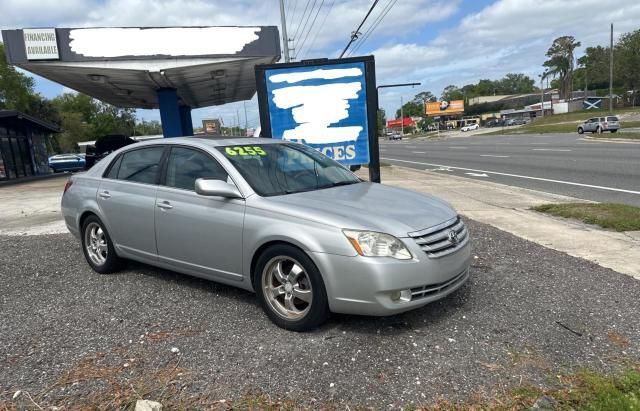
x,y
98,248
290,289
580,130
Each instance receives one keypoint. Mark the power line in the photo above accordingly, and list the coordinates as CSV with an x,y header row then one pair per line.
x,y
302,18
374,25
313,41
310,28
354,35
293,13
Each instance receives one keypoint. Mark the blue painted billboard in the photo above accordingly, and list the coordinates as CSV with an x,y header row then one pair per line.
x,y
322,106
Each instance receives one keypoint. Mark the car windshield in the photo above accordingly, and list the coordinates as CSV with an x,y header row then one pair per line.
x,y
277,169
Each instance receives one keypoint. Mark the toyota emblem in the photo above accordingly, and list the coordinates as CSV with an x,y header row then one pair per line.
x,y
453,237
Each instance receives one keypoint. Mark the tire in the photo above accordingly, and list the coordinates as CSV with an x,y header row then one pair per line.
x,y
580,130
598,130
98,248
293,298
614,131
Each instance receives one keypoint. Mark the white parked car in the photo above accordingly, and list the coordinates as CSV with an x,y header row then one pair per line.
x,y
470,127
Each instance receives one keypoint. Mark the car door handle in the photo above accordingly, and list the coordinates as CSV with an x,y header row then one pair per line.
x,y
105,195
165,205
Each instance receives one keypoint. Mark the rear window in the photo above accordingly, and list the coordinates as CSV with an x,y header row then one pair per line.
x,y
612,118
141,166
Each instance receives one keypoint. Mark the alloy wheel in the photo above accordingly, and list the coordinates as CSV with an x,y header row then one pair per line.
x,y
287,288
95,242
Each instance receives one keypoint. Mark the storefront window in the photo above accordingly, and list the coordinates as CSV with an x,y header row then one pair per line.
x,y
40,153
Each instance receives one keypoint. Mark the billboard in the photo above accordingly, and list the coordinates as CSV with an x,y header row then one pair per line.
x,y
406,122
329,105
211,126
443,108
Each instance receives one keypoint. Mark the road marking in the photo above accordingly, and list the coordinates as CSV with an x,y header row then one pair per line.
x,y
459,147
549,149
418,152
411,147
493,155
571,183
477,174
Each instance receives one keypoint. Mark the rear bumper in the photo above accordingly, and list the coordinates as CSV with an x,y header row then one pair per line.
x,y
365,285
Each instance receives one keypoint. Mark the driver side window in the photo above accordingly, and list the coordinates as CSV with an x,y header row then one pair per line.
x,y
186,165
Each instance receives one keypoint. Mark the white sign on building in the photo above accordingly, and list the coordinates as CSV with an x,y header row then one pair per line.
x,y
41,44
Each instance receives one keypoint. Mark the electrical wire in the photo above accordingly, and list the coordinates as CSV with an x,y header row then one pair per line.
x,y
313,41
301,47
302,18
374,25
354,35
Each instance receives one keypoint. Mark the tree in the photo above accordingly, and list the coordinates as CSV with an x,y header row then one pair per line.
x,y
411,109
424,97
594,68
15,88
148,128
627,59
560,63
516,83
451,93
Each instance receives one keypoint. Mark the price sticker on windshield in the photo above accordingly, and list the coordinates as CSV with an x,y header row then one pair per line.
x,y
245,151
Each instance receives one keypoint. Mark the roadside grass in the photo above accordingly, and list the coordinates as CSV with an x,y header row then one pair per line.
x,y
568,123
582,390
618,217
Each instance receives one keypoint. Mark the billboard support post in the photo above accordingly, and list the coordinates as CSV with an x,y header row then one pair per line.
x,y
328,105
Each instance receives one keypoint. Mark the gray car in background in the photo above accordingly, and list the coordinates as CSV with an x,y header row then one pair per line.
x,y
277,218
600,125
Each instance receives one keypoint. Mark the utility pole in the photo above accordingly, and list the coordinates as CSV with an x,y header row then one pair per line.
x,y
246,123
611,72
285,38
401,118
542,94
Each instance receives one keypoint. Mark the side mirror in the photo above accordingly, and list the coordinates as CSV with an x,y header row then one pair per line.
x,y
216,188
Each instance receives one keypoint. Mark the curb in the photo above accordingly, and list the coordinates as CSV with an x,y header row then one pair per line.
x,y
611,140
31,179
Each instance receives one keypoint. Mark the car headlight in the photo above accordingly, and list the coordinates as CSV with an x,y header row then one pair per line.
x,y
372,244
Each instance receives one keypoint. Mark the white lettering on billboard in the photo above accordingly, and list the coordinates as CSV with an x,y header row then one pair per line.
x,y
40,44
315,108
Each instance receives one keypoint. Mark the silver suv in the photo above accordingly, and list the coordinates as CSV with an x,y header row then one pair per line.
x,y
600,125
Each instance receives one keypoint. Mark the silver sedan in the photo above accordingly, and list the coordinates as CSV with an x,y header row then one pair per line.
x,y
273,217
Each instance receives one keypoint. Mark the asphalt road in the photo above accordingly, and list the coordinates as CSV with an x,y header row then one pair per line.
x,y
75,339
555,163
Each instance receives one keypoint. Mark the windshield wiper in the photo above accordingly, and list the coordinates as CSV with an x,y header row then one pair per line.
x,y
338,183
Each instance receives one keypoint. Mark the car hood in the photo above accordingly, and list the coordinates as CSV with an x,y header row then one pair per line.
x,y
366,206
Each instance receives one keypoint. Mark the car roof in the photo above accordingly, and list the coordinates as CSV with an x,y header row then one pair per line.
x,y
209,141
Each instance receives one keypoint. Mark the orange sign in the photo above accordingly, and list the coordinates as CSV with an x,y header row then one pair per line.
x,y
439,108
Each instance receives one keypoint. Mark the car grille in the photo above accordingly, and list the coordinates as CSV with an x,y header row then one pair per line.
x,y
437,241
435,289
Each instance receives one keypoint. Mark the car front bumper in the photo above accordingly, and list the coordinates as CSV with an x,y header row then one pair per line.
x,y
366,285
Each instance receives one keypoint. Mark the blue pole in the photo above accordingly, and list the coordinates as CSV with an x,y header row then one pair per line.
x,y
185,121
169,112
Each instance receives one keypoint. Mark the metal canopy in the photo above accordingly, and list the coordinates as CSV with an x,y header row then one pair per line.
x,y
205,65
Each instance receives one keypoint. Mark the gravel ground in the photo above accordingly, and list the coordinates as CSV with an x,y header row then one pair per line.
x,y
69,336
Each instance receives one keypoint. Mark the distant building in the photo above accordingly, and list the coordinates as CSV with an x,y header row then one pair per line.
x,y
23,145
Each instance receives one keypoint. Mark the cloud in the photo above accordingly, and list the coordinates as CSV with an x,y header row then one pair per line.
x,y
506,36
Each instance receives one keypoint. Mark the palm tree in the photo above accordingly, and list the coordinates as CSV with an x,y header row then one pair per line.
x,y
561,63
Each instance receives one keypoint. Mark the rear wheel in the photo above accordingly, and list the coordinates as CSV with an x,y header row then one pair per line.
x,y
614,131
98,248
580,130
290,289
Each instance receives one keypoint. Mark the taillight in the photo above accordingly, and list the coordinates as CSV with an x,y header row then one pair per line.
x,y
67,186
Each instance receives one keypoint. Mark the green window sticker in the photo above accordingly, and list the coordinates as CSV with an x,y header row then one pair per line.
x,y
245,151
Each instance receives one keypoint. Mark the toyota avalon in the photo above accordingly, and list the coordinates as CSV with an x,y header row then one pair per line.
x,y
277,218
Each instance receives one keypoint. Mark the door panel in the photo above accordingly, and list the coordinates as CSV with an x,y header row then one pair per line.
x,y
200,233
193,232
127,200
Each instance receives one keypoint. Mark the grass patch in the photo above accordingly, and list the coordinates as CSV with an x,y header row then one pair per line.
x,y
628,135
618,217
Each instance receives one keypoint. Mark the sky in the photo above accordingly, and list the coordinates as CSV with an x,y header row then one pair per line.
x,y
434,42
